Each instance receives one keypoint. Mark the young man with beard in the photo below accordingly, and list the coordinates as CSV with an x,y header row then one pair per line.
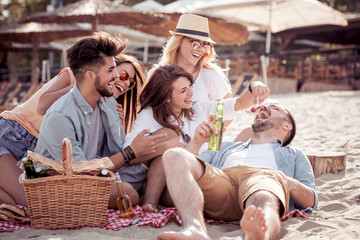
x,y
82,115
256,182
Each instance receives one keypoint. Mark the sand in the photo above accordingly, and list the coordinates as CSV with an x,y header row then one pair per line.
x,y
327,122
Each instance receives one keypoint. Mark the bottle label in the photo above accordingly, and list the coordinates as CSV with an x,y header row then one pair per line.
x,y
216,139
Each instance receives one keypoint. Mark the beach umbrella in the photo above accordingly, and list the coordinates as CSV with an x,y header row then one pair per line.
x,y
149,5
102,12
37,33
97,12
274,16
151,22
269,16
221,31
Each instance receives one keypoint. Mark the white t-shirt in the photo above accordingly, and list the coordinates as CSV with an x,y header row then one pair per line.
x,y
208,86
146,120
256,155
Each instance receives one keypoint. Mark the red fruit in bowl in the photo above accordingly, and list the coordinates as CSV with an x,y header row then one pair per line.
x,y
253,109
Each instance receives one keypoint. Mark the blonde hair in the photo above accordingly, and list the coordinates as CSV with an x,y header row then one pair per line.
x,y
207,61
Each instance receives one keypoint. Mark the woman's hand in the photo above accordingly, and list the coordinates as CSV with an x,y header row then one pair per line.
x,y
120,111
260,92
202,134
203,130
256,94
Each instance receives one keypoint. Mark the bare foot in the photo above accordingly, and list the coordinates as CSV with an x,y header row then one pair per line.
x,y
149,208
188,233
254,224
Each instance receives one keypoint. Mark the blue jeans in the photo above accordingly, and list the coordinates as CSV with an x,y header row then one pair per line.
x,y
14,139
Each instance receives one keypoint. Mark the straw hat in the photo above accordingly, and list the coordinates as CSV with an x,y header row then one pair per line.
x,y
193,26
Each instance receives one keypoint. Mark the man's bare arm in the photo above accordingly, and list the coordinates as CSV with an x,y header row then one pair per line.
x,y
302,195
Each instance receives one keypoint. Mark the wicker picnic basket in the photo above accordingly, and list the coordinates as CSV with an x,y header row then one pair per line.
x,y
68,200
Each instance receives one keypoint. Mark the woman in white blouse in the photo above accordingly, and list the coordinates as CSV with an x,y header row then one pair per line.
x,y
167,106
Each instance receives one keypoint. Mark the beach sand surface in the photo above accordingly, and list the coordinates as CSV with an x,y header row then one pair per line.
x,y
326,122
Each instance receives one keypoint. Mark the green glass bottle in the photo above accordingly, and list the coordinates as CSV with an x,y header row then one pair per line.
x,y
29,168
40,172
216,139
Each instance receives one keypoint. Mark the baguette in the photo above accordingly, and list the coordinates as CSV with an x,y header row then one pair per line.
x,y
6,218
10,213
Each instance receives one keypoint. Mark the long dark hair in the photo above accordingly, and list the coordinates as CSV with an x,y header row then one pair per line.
x,y
129,99
158,90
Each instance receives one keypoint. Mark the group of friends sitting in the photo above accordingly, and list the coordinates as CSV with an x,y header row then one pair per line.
x,y
155,131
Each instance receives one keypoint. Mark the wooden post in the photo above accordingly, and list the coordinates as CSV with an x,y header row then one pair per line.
x,y
35,64
328,162
15,73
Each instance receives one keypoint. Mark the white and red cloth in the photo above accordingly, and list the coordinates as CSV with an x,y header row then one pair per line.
x,y
115,223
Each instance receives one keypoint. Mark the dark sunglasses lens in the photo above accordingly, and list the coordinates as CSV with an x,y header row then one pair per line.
x,y
124,76
132,83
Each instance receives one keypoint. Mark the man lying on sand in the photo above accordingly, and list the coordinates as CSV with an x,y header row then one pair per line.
x,y
242,190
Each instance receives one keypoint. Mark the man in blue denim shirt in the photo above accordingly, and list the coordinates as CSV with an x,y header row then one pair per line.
x,y
82,115
255,185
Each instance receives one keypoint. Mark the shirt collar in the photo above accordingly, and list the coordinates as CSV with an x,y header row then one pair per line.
x,y
276,142
80,101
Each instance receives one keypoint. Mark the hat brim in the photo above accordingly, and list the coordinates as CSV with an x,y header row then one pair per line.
x,y
206,39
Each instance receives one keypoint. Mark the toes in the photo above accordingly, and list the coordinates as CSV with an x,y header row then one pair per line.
x,y
149,208
259,214
249,212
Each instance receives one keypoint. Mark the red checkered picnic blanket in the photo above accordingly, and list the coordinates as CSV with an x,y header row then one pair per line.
x,y
114,222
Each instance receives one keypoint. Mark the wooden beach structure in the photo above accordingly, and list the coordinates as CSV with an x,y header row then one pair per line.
x,y
329,59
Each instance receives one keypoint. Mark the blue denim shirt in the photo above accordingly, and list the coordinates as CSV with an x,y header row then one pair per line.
x,y
70,117
291,161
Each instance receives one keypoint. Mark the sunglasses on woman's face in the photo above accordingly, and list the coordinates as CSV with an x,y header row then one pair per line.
x,y
196,44
124,76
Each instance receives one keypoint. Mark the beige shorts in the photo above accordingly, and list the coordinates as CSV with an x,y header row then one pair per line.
x,y
225,192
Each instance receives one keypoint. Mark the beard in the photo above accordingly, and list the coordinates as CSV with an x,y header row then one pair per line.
x,y
271,123
102,90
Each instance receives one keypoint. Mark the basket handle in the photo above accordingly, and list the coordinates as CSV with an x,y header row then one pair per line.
x,y
67,156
